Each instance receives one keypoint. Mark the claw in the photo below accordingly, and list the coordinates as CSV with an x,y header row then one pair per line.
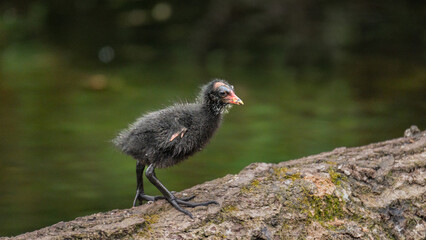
x,y
174,203
143,197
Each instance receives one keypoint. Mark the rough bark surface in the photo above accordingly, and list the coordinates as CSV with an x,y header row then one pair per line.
x,y
370,192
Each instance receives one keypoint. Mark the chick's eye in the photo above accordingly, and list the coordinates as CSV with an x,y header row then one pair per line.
x,y
222,93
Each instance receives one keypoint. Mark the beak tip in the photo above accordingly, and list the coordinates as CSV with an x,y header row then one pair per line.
x,y
235,100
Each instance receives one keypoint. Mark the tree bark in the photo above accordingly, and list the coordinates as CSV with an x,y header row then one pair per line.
x,y
370,192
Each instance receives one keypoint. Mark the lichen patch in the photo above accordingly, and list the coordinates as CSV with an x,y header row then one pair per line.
x,y
324,185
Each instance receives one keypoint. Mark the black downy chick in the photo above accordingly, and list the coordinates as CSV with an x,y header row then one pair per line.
x,y
164,138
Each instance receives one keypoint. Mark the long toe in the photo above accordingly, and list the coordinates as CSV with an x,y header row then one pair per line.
x,y
143,197
191,204
187,198
151,198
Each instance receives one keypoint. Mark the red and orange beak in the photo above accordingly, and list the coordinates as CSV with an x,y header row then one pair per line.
x,y
233,99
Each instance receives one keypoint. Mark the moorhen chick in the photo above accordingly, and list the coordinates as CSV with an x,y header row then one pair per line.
x,y
164,138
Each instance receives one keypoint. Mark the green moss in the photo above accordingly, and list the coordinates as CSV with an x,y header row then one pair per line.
x,y
245,190
325,208
147,224
255,183
252,186
221,235
229,208
224,213
335,177
331,162
282,174
320,208
293,176
153,218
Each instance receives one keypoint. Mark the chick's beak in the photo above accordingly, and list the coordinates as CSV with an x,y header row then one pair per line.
x,y
234,99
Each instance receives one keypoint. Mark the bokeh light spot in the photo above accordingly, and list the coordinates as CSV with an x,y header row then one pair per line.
x,y
106,54
162,11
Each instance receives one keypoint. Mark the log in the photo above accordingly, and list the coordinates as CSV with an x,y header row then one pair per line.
x,y
370,192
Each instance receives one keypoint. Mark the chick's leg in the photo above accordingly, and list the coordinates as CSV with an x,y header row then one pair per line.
x,y
140,194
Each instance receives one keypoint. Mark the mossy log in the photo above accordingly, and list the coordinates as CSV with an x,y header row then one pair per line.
x,y
370,192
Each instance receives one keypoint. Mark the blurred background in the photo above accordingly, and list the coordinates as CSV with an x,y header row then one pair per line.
x,y
314,75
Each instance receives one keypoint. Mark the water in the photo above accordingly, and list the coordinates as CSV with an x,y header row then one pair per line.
x,y
57,120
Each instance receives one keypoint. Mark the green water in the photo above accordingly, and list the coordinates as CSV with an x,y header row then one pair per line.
x,y
57,118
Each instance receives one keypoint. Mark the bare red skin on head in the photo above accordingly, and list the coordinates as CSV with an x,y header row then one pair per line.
x,y
218,84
